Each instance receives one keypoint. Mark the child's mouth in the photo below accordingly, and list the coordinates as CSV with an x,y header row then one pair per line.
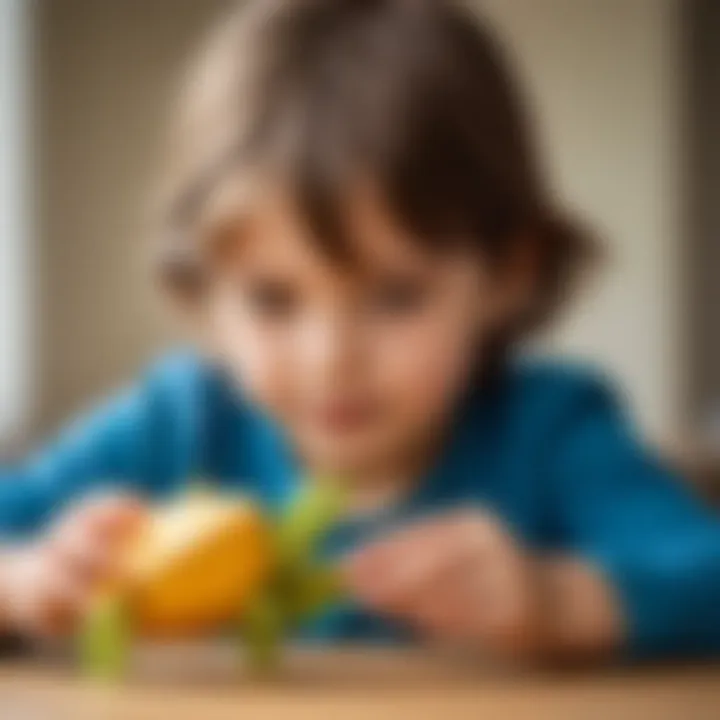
x,y
344,416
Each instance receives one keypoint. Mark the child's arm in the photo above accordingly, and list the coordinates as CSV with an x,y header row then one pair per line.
x,y
637,565
141,443
101,449
45,584
464,577
45,576
657,546
638,527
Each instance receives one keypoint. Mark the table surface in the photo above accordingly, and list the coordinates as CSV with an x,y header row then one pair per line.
x,y
179,684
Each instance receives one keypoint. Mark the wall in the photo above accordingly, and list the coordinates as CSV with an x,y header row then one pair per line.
x,y
604,76
108,73
703,317
15,240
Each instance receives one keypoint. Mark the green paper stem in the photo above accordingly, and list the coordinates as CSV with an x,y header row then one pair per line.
x,y
263,631
299,587
315,589
105,640
308,517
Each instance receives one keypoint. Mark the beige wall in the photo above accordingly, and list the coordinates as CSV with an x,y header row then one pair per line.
x,y
605,76
107,71
603,73
16,290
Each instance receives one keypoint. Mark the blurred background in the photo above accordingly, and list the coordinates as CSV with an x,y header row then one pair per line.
x,y
628,97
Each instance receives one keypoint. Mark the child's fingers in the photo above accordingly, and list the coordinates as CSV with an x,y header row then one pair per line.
x,y
64,599
445,575
84,557
87,542
112,517
372,562
392,574
428,541
473,601
442,607
447,602
52,599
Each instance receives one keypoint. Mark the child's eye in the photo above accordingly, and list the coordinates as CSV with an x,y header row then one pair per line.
x,y
398,297
270,299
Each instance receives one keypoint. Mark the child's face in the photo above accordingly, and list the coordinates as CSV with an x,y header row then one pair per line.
x,y
360,366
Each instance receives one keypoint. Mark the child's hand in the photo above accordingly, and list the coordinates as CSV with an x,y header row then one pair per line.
x,y
460,577
44,587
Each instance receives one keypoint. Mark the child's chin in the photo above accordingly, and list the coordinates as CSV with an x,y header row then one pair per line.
x,y
346,452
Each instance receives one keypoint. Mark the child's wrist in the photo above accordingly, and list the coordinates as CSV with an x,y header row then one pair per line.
x,y
6,561
579,615
12,641
13,561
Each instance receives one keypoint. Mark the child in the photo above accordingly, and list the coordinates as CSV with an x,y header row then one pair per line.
x,y
360,231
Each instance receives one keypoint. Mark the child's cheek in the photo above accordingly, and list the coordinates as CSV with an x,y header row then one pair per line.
x,y
424,365
255,357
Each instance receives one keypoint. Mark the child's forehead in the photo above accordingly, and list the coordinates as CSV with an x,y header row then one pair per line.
x,y
274,230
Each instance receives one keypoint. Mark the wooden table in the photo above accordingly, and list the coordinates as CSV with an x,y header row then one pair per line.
x,y
179,684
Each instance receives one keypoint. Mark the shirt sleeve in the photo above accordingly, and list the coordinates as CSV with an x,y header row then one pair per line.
x,y
139,441
657,544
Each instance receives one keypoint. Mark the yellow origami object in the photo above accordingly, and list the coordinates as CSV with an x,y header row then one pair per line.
x,y
207,562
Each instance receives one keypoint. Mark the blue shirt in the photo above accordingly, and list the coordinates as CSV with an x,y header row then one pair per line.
x,y
545,447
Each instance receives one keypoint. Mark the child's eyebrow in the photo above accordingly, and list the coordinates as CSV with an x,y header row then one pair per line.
x,y
396,273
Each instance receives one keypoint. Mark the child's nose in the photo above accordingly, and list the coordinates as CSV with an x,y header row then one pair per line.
x,y
329,347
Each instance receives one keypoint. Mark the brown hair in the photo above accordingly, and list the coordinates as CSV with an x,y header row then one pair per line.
x,y
414,94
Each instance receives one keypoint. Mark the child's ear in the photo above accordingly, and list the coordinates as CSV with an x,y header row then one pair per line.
x,y
516,279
